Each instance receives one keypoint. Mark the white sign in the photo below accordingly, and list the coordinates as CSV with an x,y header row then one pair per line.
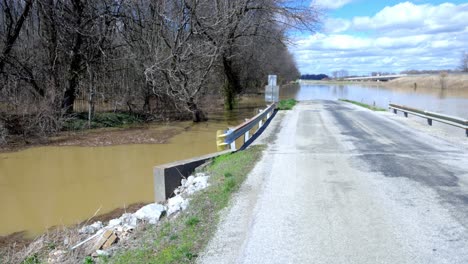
x,y
272,90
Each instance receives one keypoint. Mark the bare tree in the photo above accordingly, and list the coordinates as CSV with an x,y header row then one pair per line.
x,y
183,63
464,62
159,57
233,26
13,25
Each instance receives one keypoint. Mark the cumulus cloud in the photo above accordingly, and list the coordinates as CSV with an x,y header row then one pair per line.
x,y
405,18
331,4
400,37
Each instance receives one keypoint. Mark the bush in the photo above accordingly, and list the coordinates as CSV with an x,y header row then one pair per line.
x,y
100,120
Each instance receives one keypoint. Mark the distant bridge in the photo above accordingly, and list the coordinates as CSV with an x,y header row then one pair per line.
x,y
382,78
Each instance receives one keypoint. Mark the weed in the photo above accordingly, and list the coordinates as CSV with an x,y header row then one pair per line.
x,y
286,104
192,221
51,245
88,260
227,174
100,120
33,259
229,185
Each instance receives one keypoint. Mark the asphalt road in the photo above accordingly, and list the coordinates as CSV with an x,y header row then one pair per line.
x,y
341,184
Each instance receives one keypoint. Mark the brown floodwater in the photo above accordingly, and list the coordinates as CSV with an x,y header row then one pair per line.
x,y
42,187
46,186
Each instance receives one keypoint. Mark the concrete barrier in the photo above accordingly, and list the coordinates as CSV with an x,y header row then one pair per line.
x,y
167,177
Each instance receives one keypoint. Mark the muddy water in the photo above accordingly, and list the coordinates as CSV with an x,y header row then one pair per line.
x,y
46,186
447,101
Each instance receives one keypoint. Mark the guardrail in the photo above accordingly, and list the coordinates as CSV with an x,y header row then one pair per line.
x,y
227,138
430,116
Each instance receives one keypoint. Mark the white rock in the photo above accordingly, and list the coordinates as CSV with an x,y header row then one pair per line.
x,y
199,183
183,181
115,222
200,174
151,212
189,181
102,253
128,220
176,204
91,229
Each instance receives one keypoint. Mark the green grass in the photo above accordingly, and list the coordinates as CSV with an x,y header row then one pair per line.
x,y
106,119
34,259
373,108
286,104
181,239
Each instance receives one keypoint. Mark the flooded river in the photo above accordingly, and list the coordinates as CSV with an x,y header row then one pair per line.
x,y
46,186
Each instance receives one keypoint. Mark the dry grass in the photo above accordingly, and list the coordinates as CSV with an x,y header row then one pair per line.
x,y
15,248
452,81
37,251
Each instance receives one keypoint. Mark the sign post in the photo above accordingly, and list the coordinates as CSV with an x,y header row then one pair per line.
x,y
272,90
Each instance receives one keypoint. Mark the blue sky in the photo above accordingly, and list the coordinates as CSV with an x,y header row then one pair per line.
x,y
362,36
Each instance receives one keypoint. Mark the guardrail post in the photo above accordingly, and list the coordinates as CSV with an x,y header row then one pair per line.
x,y
394,111
260,123
233,146
406,114
220,136
466,131
246,136
429,121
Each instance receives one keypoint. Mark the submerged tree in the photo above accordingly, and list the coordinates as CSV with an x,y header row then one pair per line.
x,y
464,62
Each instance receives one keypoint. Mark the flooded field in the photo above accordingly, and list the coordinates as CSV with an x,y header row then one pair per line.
x,y
447,101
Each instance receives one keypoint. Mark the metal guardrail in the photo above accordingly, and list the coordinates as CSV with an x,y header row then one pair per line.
x,y
430,116
227,138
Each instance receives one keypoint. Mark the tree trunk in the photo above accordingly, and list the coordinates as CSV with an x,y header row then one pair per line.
x,y
76,60
232,86
15,30
197,114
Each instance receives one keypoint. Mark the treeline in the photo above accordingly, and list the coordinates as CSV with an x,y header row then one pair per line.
x,y
144,56
316,77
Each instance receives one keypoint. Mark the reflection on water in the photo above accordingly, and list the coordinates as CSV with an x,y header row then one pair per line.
x,y
46,186
452,102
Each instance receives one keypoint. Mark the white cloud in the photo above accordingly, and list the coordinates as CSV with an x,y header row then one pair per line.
x,y
336,25
405,18
400,37
330,4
